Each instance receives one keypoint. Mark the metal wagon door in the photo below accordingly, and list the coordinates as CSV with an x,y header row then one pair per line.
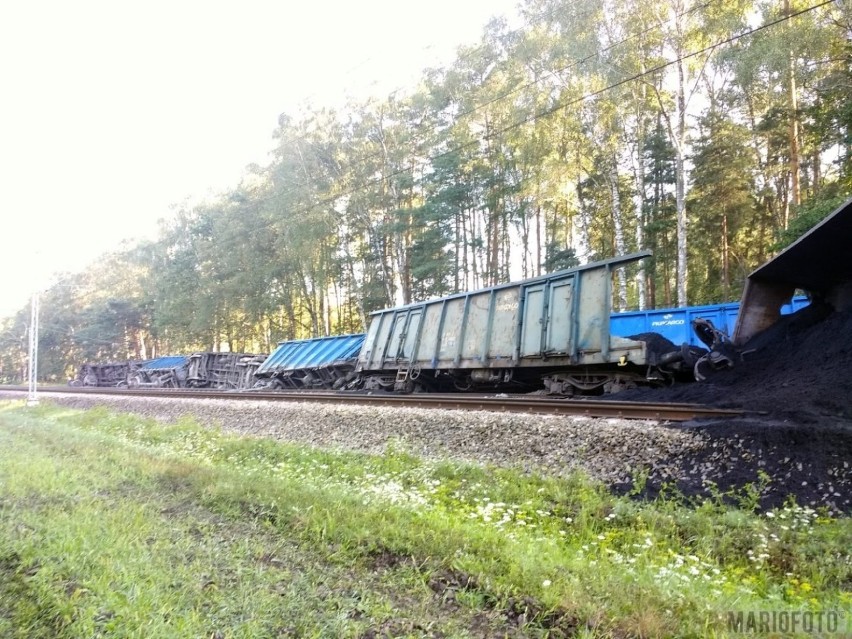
x,y
559,314
533,321
548,318
409,337
403,335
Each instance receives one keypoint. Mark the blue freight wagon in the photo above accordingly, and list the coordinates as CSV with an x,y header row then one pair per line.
x,y
162,372
320,362
675,324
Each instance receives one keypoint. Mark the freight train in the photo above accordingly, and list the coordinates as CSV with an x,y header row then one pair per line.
x,y
554,333
548,333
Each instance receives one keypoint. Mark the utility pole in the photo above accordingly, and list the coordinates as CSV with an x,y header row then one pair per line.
x,y
32,397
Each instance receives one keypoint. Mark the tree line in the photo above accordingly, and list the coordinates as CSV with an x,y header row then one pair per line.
x,y
710,132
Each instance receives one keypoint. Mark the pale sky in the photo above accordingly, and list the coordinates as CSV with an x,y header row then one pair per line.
x,y
112,111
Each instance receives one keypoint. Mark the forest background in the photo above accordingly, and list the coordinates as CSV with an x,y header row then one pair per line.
x,y
711,132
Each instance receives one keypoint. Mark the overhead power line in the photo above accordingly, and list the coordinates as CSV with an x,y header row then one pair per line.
x,y
560,106
561,8
547,74
556,108
659,67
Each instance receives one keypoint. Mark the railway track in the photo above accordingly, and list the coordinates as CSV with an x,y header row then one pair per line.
x,y
499,403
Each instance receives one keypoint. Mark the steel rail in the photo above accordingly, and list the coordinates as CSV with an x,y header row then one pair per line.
x,y
498,403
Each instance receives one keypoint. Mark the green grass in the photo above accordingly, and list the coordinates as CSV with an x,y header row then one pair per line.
x,y
111,525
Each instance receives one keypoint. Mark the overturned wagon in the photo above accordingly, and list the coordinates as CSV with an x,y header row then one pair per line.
x,y
224,371
551,331
162,372
320,362
109,375
221,371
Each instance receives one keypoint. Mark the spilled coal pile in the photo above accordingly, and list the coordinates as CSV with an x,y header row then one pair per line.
x,y
794,381
800,369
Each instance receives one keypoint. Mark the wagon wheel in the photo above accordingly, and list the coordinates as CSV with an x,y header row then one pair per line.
x,y
710,364
702,368
463,384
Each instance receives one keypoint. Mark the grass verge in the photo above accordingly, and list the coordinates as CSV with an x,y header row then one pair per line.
x,y
111,525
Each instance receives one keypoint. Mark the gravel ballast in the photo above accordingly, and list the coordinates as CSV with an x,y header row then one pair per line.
x,y
811,466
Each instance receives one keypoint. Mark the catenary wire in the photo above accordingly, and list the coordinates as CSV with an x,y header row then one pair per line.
x,y
548,74
559,106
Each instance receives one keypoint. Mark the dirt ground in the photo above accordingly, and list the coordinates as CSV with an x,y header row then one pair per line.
x,y
795,382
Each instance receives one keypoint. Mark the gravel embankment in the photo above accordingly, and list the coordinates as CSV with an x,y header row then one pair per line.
x,y
813,466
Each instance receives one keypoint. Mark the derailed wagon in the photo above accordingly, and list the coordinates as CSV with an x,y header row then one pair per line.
x,y
320,362
223,371
162,372
550,332
675,324
109,375
817,263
